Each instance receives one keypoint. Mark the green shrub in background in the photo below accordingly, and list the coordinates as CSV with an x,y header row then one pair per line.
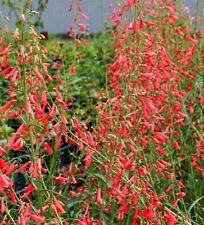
x,y
90,78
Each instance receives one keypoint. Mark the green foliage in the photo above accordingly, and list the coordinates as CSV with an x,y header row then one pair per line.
x,y
90,77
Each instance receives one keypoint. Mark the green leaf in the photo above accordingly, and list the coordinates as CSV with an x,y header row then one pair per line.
x,y
103,179
194,203
105,219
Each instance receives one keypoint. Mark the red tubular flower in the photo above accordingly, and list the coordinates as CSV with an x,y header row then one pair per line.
x,y
4,62
2,151
98,196
4,183
29,108
81,222
23,167
4,51
176,145
3,164
73,70
135,217
37,219
8,105
48,148
43,99
58,206
35,169
180,194
83,16
73,179
12,196
88,159
73,194
90,140
148,214
10,169
170,219
38,75
61,180
124,208
2,208
28,190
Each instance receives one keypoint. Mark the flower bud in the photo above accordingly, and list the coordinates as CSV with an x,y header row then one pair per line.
x,y
22,18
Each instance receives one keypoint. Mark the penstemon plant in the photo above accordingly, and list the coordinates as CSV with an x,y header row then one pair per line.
x,y
33,149
142,163
143,152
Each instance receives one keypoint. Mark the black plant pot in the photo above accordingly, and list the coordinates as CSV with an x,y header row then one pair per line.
x,y
14,123
68,153
19,183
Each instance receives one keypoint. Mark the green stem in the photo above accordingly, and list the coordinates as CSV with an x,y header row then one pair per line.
x,y
27,116
196,17
11,218
52,165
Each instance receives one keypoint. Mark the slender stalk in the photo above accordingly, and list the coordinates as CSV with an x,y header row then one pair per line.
x,y
9,215
197,14
53,165
25,95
